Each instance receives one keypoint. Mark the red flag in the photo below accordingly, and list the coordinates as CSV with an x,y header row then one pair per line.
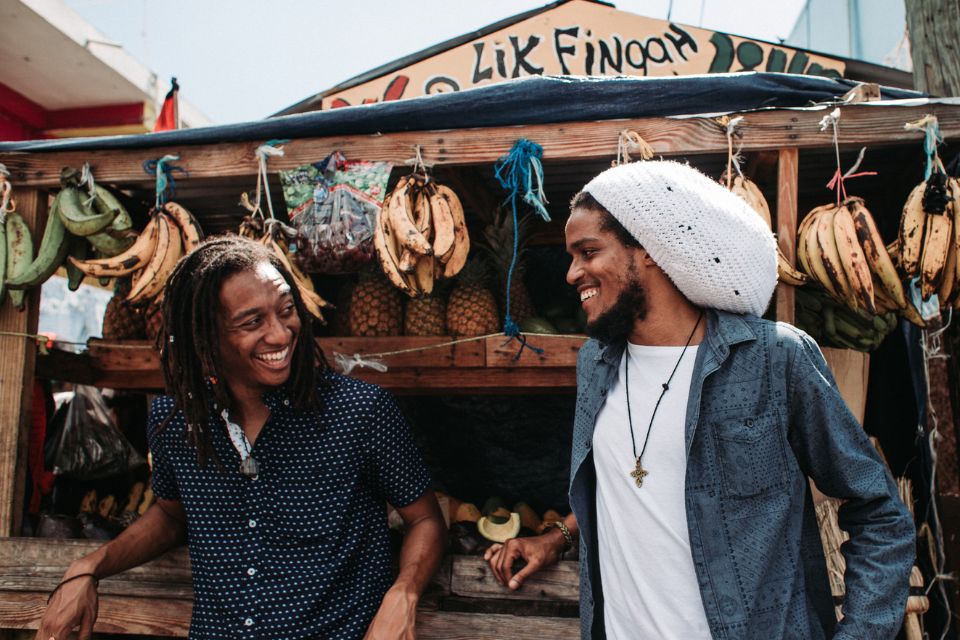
x,y
169,116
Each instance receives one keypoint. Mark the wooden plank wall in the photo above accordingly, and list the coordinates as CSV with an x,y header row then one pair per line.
x,y
16,379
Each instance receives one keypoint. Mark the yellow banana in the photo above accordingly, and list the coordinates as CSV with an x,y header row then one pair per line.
x,y
167,252
814,257
424,275
455,208
189,229
385,245
442,225
787,273
399,215
854,263
136,257
830,257
879,260
937,238
912,224
750,192
461,238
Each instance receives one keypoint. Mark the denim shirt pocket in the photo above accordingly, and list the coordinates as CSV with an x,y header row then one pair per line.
x,y
751,452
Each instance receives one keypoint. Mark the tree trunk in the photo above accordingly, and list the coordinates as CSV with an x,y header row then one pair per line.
x,y
934,26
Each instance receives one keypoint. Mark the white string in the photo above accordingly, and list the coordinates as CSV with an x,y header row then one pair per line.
x,y
630,141
349,363
86,178
417,161
828,120
265,151
931,346
856,165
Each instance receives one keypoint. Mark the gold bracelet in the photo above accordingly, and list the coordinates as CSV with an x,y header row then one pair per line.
x,y
567,537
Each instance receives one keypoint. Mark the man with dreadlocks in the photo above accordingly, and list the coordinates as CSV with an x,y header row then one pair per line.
x,y
272,468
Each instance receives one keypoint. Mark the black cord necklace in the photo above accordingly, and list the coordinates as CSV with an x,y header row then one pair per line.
x,y
639,472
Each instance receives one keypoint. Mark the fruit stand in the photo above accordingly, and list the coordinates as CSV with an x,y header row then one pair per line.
x,y
782,146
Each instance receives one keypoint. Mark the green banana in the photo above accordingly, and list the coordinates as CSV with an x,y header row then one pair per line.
x,y
79,248
50,255
3,259
106,201
78,218
19,254
108,245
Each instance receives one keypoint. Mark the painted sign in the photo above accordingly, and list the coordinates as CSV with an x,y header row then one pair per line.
x,y
584,38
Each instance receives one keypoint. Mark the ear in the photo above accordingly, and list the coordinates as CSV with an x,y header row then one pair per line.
x,y
644,258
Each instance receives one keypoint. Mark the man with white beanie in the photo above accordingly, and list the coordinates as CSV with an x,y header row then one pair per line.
x,y
697,425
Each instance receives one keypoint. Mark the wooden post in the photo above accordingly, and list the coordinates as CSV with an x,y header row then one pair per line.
x,y
787,177
16,379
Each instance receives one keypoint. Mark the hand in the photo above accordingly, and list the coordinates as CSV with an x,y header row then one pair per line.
x,y
396,618
75,604
538,552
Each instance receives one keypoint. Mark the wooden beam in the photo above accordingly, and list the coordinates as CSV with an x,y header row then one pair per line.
x,y
471,576
775,129
16,379
446,625
787,189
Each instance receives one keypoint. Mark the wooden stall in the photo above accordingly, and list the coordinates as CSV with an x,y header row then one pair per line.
x,y
793,158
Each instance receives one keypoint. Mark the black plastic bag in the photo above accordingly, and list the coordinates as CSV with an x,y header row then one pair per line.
x,y
87,444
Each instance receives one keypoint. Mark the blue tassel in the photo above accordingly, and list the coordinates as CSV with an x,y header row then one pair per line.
x,y
520,172
932,138
166,186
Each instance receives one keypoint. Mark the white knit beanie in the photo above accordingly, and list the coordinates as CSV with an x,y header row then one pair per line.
x,y
716,250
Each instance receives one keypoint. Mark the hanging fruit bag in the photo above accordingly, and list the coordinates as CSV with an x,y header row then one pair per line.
x,y
334,205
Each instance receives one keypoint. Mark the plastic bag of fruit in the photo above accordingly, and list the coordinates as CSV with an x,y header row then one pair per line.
x,y
334,204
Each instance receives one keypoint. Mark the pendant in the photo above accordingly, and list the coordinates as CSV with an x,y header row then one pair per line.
x,y
249,468
639,473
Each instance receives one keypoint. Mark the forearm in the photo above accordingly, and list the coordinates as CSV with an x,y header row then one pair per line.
x,y
149,536
420,554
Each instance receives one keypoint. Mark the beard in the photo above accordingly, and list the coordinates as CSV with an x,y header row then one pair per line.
x,y
615,324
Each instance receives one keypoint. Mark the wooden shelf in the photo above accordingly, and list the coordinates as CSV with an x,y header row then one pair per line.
x,y
424,365
157,598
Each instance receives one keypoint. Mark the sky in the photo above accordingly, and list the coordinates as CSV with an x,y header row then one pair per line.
x,y
247,59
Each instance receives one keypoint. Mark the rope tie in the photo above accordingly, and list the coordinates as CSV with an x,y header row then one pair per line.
x,y
86,178
839,177
516,173
417,162
931,139
166,185
629,142
731,126
269,149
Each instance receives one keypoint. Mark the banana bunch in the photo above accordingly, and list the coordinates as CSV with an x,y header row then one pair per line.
x,y
833,323
750,192
276,236
171,233
421,235
929,240
840,247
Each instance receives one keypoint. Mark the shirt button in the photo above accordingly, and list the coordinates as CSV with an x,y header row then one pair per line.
x,y
248,622
251,571
286,403
252,523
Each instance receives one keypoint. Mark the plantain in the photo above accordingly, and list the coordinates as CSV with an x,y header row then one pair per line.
x,y
385,245
75,253
108,245
104,200
400,217
3,257
879,260
424,274
829,255
50,255
937,238
854,263
79,219
169,247
461,239
189,229
135,257
443,225
19,254
912,225
817,269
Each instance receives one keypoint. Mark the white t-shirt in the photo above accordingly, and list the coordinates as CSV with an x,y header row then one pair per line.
x,y
649,583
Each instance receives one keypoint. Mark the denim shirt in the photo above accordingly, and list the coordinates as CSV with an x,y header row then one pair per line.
x,y
764,414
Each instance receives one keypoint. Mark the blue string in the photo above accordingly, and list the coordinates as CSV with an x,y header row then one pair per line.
x,y
516,172
166,185
931,139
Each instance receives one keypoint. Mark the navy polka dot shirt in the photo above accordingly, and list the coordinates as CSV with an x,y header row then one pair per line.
x,y
302,551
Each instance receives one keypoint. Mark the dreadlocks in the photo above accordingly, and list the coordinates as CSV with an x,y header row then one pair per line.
x,y
190,343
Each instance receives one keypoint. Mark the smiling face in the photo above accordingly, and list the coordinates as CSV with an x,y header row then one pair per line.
x,y
258,326
606,274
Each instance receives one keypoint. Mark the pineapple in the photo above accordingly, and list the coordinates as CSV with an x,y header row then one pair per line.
x,y
471,308
340,320
154,319
497,244
425,316
376,306
121,321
